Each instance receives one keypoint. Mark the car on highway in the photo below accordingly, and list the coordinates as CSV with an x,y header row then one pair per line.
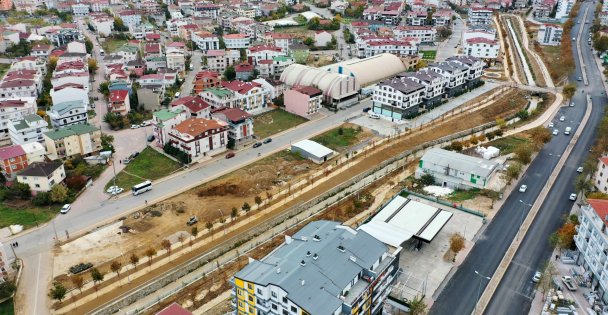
x,y
523,188
579,169
134,126
551,125
230,155
572,197
536,277
257,145
267,140
579,79
572,104
562,118
115,190
555,132
65,209
567,131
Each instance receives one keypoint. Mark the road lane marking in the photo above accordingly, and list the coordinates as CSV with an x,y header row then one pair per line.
x,y
37,286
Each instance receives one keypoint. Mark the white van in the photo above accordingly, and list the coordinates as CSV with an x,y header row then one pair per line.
x,y
567,131
374,116
177,95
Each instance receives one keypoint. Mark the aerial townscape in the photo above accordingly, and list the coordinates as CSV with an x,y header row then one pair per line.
x,y
304,157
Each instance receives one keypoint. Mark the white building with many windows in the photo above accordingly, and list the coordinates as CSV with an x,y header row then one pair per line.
x,y
236,41
600,179
29,129
563,8
482,48
205,40
395,47
480,15
13,110
550,34
425,34
199,137
397,98
68,113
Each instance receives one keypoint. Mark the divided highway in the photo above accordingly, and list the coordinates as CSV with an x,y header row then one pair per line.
x,y
515,292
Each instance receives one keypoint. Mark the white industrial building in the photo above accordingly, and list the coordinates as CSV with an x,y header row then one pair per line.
x,y
313,151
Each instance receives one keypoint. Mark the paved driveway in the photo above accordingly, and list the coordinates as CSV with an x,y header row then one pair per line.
x,y
450,47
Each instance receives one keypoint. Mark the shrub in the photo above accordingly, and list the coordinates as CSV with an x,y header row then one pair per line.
x,y
80,267
42,199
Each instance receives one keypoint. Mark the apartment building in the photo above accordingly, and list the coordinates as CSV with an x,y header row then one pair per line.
x,y
176,58
205,40
237,41
30,128
263,52
563,8
592,242
68,113
301,276
395,47
12,110
13,159
397,98
425,34
416,17
434,84
474,68
240,124
164,120
119,102
250,96
204,80
82,139
194,106
19,88
550,34
219,60
199,137
480,15
600,179
481,48
304,101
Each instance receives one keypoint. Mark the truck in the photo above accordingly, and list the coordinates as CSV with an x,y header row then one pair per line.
x,y
569,283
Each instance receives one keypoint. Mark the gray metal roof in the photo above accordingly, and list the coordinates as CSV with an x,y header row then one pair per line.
x,y
26,121
64,107
424,75
467,60
449,66
317,286
458,161
404,85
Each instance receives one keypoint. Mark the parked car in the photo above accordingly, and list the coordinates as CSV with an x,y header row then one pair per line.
x,y
145,123
267,140
579,169
572,104
523,188
134,154
374,116
65,209
151,138
572,197
230,155
536,277
192,221
562,118
134,126
567,280
551,125
115,190
579,79
367,109
126,161
257,144
555,132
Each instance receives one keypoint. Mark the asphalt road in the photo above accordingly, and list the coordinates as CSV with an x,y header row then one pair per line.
x,y
513,295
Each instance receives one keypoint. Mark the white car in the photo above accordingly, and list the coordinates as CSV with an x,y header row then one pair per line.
x,y
572,197
572,104
523,188
65,209
579,169
145,123
374,116
562,118
551,125
114,190
537,276
555,132
134,126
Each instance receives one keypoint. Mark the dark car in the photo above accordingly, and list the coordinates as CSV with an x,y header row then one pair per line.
x,y
267,140
150,138
367,109
192,221
257,144
230,155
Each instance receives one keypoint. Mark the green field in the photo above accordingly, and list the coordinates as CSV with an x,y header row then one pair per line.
x,y
507,145
7,308
28,216
275,121
3,69
148,165
110,45
428,54
336,139
462,195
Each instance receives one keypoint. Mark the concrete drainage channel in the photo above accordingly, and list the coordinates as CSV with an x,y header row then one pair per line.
x,y
197,268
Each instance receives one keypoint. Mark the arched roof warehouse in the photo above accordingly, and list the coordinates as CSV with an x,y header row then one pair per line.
x,y
369,70
333,85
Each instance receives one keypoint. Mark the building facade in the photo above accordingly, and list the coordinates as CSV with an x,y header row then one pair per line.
x,y
13,159
42,176
79,139
29,129
304,101
199,137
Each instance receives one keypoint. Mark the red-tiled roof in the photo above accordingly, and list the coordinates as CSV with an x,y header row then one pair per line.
x,y
243,67
12,103
281,36
235,36
265,62
118,95
17,83
234,114
258,48
481,40
194,103
174,309
207,74
240,86
11,152
67,85
197,126
604,160
152,36
152,48
601,208
308,90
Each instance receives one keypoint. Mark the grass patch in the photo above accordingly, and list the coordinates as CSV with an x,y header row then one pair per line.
x,y
508,144
338,138
110,44
25,214
429,54
462,195
148,165
3,70
275,121
553,59
7,307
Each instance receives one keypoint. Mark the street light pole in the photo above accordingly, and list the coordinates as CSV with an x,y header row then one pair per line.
x,y
522,217
481,277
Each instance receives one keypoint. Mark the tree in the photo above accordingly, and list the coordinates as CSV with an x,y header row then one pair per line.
x,y
92,65
309,41
501,123
59,193
456,146
78,282
115,267
418,306
20,190
601,44
7,288
258,201
246,207
456,243
565,235
230,73
222,43
427,179
513,170
119,25
97,276
545,283
524,153
150,252
421,64
234,213
166,244
104,88
2,179
540,136
194,231
134,260
582,184
569,90
209,226
88,45
58,291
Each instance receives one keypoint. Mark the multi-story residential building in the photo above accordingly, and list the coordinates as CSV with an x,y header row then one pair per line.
x,y
304,101
70,92
13,159
480,15
34,151
30,128
474,68
61,37
416,18
282,40
78,78
550,34
482,48
219,60
42,176
592,242
236,41
263,52
454,73
395,47
244,71
425,34
13,110
199,137
174,25
41,50
220,97
119,102
68,113
204,80
325,268
279,64
194,106
542,11
207,10
30,63
434,84
205,41
456,170
250,96
164,120
176,58
6,5
240,124
130,18
80,9
600,179
19,88
99,5
82,139
397,98
442,18
563,8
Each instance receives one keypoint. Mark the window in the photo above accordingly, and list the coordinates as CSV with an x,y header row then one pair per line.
x,y
250,298
285,299
274,306
249,286
259,291
294,309
274,294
